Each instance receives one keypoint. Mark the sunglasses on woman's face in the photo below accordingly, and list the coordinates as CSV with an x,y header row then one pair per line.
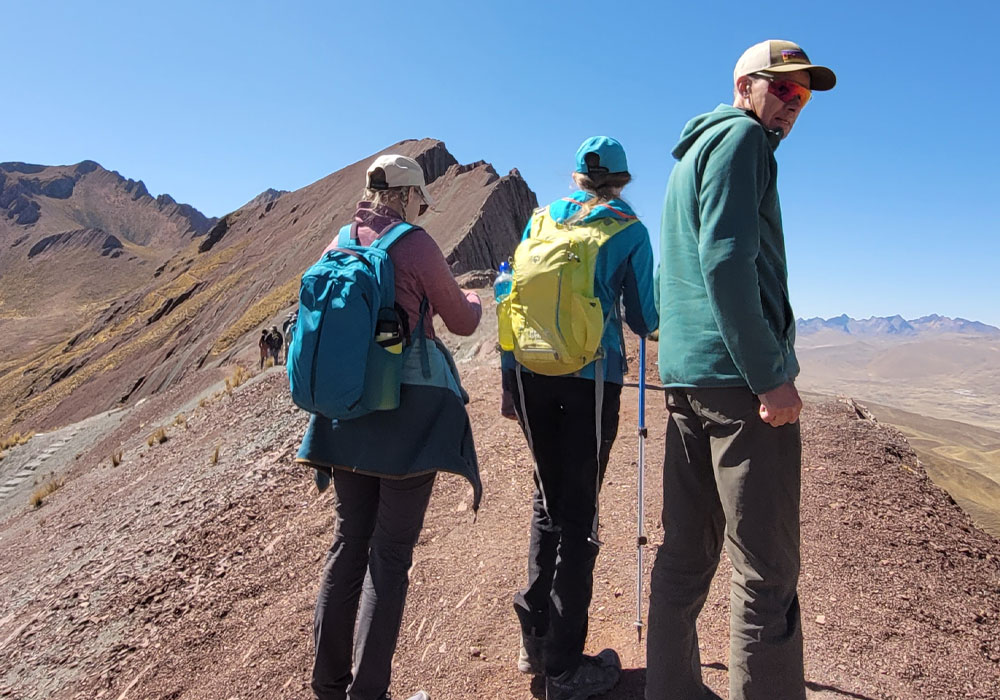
x,y
422,209
788,90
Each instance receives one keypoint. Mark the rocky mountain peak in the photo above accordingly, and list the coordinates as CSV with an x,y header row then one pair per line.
x,y
195,306
434,158
266,197
30,194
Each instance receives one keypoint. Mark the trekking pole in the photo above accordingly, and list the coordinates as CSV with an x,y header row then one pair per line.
x,y
640,540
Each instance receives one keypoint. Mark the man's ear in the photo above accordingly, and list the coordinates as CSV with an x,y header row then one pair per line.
x,y
743,85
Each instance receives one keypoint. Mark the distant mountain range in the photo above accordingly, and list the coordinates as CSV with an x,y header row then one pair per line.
x,y
895,326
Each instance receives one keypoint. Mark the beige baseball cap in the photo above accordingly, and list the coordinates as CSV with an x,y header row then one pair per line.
x,y
777,56
400,171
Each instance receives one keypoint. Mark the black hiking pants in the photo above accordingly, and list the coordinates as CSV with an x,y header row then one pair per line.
x,y
560,424
378,523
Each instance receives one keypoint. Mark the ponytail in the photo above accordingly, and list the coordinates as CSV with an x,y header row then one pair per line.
x,y
603,186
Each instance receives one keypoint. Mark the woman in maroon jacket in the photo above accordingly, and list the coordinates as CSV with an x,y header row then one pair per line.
x,y
383,464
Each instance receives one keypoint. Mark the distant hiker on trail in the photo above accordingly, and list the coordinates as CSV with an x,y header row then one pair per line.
x,y
275,340
578,258
383,463
264,345
731,473
286,330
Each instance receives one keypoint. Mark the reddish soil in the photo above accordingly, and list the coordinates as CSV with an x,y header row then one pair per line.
x,y
171,576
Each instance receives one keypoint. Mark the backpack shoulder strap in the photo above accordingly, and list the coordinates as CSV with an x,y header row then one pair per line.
x,y
538,218
346,234
612,226
387,239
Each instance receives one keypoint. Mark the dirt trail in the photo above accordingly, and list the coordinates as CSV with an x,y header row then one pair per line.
x,y
177,576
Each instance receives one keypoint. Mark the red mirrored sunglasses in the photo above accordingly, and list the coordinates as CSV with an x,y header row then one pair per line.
x,y
788,90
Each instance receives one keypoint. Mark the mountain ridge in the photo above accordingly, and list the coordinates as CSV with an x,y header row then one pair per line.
x,y
153,316
30,196
895,325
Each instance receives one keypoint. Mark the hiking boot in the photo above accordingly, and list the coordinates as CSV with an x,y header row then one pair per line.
x,y
529,657
595,675
420,695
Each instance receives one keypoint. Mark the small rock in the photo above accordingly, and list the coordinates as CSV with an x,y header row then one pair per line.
x,y
476,652
821,619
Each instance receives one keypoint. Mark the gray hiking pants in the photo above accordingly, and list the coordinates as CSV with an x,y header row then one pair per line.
x,y
727,477
378,523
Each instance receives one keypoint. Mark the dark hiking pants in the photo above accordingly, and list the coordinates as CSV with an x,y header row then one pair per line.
x,y
727,477
561,426
378,522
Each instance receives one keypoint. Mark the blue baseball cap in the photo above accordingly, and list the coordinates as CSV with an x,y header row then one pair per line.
x,y
610,156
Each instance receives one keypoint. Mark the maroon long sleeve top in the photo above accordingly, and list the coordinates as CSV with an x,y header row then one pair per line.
x,y
421,270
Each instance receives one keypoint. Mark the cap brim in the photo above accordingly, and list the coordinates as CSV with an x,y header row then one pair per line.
x,y
820,77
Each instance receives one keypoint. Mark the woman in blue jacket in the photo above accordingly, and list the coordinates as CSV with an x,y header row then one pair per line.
x,y
557,414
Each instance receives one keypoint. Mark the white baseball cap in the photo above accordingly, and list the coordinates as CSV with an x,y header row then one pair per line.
x,y
400,171
777,56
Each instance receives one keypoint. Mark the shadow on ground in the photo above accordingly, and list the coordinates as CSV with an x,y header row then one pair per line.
x,y
810,685
632,686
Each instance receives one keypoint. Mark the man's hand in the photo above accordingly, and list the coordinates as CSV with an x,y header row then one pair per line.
x,y
780,406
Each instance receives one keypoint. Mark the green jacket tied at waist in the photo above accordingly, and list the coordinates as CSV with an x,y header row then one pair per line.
x,y
721,236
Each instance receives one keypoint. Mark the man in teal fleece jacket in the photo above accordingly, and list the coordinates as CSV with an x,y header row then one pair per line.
x,y
727,334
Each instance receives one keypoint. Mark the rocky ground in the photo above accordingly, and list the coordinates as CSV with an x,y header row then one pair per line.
x,y
190,570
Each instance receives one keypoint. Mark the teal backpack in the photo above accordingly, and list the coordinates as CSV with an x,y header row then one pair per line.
x,y
348,344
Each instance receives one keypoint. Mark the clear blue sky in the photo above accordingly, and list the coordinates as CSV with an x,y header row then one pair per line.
x,y
886,182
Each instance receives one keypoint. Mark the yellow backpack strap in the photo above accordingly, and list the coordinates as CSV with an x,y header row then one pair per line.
x,y
538,219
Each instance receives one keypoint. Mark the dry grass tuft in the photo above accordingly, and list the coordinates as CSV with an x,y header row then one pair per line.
x,y
158,437
15,440
215,455
181,420
116,458
269,363
44,491
239,376
203,402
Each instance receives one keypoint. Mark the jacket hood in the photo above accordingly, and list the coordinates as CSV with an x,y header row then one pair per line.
x,y
699,125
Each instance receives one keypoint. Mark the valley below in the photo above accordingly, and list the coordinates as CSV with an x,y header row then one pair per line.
x,y
942,392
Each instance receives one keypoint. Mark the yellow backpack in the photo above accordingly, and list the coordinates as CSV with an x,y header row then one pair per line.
x,y
551,319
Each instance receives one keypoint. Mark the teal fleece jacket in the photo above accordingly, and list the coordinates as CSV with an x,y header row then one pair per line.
x,y
722,285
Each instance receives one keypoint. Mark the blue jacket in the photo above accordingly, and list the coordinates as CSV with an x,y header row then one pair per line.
x,y
624,270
